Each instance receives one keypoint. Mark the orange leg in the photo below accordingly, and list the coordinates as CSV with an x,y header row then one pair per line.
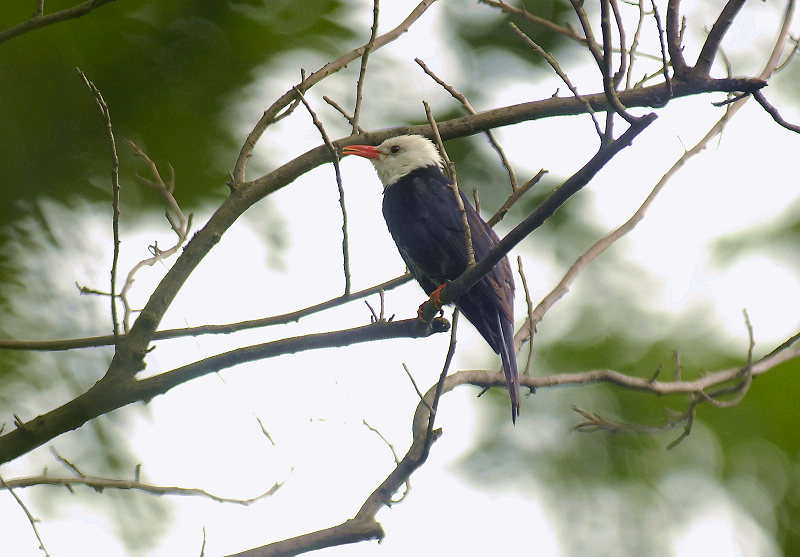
x,y
435,299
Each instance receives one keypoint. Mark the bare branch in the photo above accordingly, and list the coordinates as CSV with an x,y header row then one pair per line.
x,y
514,197
617,79
601,245
610,82
451,170
115,191
40,20
228,328
557,68
238,174
714,39
363,70
572,185
546,23
337,171
772,111
531,330
181,228
635,43
416,388
113,392
430,436
674,36
99,484
336,106
665,64
468,107
32,519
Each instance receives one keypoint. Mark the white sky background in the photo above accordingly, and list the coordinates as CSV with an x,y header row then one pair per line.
x,y
204,434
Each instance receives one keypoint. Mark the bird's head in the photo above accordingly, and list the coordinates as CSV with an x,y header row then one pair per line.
x,y
398,156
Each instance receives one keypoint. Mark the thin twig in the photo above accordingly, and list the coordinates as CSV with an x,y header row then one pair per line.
x,y
609,80
340,187
529,320
512,178
99,484
635,43
396,460
622,58
601,245
115,191
557,68
453,186
41,20
451,350
514,197
416,388
373,316
181,227
336,106
32,519
546,23
268,118
228,328
665,64
674,38
791,54
772,111
363,69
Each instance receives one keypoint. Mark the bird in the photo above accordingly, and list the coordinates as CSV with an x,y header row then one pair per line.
x,y
427,225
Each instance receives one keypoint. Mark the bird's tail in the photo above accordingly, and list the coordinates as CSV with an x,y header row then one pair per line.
x,y
508,354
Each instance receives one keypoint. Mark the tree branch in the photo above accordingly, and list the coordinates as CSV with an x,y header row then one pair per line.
x,y
40,20
238,174
714,39
99,484
222,329
111,393
550,205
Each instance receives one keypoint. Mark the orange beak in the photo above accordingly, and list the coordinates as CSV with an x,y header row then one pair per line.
x,y
366,151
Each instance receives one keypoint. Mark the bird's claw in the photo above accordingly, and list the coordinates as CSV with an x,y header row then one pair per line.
x,y
435,299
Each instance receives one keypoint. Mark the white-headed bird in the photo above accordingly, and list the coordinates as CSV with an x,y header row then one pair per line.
x,y
426,223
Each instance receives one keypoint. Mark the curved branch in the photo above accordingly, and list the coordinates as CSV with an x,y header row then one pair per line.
x,y
364,527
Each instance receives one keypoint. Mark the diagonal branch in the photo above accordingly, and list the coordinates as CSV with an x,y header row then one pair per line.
x,y
714,39
550,205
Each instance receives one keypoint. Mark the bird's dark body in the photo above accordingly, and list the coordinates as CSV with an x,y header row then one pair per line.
x,y
425,222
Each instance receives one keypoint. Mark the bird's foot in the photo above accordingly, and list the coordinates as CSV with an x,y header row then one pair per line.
x,y
435,299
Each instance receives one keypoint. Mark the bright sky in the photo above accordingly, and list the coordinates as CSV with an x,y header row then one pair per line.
x,y
204,434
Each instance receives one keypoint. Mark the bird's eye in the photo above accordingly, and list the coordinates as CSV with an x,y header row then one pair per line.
x,y
394,149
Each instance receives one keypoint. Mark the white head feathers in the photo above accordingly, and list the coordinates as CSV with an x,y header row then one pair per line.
x,y
403,154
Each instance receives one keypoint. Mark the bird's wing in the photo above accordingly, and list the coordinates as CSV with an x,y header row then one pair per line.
x,y
435,251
